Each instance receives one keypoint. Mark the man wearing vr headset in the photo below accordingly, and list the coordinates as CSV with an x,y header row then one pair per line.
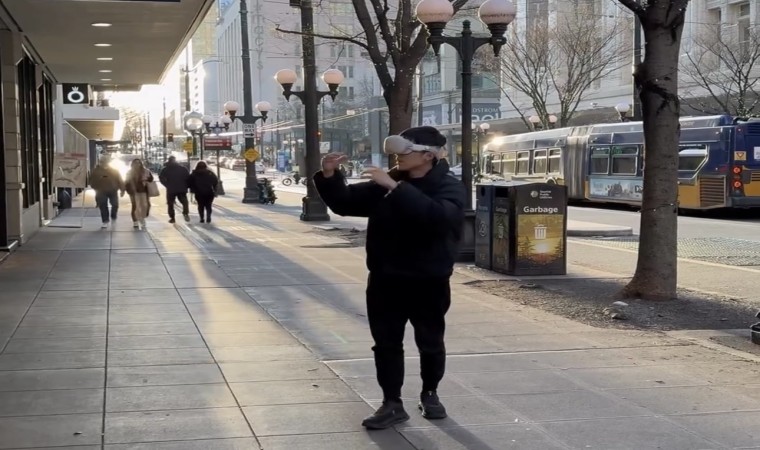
x,y
416,213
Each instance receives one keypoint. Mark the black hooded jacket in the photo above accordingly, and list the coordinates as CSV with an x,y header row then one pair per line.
x,y
202,183
415,230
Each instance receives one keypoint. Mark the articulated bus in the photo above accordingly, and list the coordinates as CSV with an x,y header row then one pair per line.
x,y
718,165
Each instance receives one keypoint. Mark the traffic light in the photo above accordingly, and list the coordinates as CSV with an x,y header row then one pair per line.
x,y
170,137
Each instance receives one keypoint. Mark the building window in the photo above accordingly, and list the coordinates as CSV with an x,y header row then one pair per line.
x,y
743,24
29,140
350,73
350,51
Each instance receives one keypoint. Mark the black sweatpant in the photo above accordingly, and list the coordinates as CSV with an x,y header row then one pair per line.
x,y
182,197
204,205
391,302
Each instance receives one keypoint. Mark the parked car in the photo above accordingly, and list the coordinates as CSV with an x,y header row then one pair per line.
x,y
237,164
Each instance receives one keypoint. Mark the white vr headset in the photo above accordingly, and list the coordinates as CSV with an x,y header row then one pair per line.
x,y
398,145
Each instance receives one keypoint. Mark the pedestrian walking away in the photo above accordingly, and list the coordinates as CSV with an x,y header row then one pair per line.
x,y
107,183
202,183
174,177
416,214
137,181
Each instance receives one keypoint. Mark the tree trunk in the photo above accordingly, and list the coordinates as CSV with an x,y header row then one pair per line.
x,y
657,79
399,106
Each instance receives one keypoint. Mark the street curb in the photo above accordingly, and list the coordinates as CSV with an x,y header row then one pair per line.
x,y
612,232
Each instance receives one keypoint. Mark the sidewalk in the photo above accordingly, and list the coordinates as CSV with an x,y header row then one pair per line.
x,y
251,333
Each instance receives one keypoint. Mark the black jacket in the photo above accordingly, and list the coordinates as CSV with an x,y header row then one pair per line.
x,y
415,230
203,183
174,178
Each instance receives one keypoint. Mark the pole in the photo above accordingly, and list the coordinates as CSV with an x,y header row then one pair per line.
x,y
420,75
636,103
466,55
201,144
163,124
251,190
313,209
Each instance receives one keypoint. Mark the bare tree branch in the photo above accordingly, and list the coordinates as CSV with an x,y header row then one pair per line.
x,y
325,36
723,66
634,6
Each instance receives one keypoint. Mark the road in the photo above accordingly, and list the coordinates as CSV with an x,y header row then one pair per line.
x,y
742,226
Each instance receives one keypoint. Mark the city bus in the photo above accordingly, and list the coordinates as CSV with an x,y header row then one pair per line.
x,y
718,165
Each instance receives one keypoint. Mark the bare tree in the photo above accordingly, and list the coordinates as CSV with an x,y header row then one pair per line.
x,y
558,63
395,41
722,66
656,80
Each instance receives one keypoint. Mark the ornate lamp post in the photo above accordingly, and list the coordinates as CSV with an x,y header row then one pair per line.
x,y
480,130
217,127
313,209
535,122
622,109
496,15
552,120
194,126
251,191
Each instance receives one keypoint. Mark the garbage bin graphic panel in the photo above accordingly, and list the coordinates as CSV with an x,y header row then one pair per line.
x,y
501,259
483,221
540,237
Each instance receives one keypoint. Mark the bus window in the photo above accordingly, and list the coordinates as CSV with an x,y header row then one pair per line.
x,y
624,160
539,161
691,157
508,163
555,160
600,160
523,163
491,164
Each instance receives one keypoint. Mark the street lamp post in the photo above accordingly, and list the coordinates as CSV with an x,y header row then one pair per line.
x,y
496,15
552,120
251,191
622,110
535,122
480,130
217,127
313,208
194,126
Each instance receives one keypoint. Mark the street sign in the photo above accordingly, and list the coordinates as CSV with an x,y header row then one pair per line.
x,y
251,155
218,143
249,130
188,146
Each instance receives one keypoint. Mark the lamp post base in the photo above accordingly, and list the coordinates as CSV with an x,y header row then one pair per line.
x,y
467,246
251,195
313,210
220,188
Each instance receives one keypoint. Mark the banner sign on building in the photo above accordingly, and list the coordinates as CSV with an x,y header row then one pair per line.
x,y
482,112
70,170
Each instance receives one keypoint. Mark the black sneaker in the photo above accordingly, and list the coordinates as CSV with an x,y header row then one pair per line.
x,y
202,220
431,406
389,414
186,217
172,221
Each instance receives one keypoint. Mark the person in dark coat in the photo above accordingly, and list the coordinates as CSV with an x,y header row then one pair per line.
x,y
203,183
416,215
174,178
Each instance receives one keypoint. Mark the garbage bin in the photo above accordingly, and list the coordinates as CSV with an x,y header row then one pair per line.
x,y
529,227
483,225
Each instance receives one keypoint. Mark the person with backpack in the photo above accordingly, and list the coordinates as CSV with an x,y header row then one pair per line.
x,y
138,178
202,183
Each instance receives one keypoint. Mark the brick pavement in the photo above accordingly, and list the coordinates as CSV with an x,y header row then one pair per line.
x,y
251,333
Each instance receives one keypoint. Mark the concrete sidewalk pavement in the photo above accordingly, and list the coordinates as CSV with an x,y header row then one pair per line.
x,y
251,333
